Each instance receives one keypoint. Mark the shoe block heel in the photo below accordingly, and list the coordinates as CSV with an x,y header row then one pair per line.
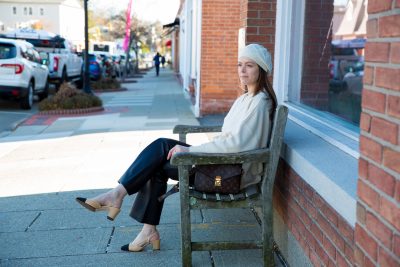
x,y
112,213
155,244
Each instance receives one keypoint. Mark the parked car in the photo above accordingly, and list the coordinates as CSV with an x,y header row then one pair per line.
x,y
131,63
117,65
22,73
95,67
62,61
346,62
109,67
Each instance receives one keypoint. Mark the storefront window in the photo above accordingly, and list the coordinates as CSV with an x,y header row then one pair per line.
x,y
332,60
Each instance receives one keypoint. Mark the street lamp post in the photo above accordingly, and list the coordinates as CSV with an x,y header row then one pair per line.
x,y
86,77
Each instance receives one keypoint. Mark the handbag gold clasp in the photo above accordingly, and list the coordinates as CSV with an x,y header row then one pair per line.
x,y
218,181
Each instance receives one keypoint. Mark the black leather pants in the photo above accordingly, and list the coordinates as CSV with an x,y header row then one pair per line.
x,y
148,176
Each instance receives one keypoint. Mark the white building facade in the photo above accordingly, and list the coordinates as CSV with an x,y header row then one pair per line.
x,y
190,48
63,17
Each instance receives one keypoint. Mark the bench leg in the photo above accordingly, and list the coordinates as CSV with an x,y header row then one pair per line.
x,y
267,232
186,234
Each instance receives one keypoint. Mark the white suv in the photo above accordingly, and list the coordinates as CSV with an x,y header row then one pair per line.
x,y
22,73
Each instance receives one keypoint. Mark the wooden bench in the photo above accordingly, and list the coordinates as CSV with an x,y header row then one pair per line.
x,y
258,196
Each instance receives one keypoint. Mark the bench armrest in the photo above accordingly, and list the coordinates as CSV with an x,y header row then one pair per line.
x,y
185,129
188,158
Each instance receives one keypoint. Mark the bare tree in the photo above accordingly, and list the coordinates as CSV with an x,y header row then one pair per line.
x,y
141,35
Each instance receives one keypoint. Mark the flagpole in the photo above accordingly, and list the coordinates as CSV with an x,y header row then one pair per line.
x,y
86,77
127,43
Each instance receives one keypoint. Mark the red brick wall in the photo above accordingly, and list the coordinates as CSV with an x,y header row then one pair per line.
x,y
219,81
219,50
317,39
258,17
325,237
176,51
243,13
261,21
377,233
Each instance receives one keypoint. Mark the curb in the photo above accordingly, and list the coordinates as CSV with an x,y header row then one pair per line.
x,y
71,111
129,81
110,90
18,123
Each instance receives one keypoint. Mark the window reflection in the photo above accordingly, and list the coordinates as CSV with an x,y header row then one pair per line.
x,y
346,65
346,71
332,69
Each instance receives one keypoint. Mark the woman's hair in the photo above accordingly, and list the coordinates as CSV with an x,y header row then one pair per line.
x,y
263,84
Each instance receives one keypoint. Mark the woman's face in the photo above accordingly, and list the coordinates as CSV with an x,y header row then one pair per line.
x,y
248,73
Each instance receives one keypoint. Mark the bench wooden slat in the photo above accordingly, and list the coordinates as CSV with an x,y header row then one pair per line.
x,y
254,156
255,190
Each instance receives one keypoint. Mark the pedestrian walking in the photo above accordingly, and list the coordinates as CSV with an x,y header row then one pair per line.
x,y
156,60
163,61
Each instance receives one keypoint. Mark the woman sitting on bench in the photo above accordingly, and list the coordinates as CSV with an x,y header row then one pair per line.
x,y
243,130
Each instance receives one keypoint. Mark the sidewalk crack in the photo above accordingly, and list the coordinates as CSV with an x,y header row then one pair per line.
x,y
109,240
33,221
202,216
211,258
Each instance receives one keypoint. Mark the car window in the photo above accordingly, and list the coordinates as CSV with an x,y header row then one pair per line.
x,y
36,56
30,55
53,43
343,51
7,51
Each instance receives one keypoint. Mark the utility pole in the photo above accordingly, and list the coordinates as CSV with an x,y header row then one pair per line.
x,y
86,77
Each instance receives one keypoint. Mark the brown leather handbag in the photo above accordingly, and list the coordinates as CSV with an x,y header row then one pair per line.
x,y
220,178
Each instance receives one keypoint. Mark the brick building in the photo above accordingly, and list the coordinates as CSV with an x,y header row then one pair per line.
x,y
337,193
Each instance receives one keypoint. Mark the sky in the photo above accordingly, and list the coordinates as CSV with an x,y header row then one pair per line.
x,y
149,10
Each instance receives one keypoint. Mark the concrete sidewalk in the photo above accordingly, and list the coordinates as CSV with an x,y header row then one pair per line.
x,y
49,160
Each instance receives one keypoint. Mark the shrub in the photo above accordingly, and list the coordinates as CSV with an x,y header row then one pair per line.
x,y
105,84
68,97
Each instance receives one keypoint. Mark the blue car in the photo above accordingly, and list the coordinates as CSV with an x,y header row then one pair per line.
x,y
95,67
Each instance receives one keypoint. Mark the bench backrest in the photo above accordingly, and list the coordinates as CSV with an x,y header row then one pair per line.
x,y
275,145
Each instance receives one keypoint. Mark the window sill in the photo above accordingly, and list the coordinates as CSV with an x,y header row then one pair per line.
x,y
326,159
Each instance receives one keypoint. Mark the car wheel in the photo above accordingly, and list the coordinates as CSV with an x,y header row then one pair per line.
x,y
79,83
63,79
27,101
45,93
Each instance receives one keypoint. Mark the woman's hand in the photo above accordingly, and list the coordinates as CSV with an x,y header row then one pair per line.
x,y
177,149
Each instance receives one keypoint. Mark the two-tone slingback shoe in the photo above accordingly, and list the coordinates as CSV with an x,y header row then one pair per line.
x,y
136,247
93,205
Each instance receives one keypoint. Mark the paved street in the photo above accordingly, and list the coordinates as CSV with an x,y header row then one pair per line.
x,y
49,160
11,115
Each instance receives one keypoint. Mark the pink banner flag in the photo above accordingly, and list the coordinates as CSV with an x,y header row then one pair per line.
x,y
128,27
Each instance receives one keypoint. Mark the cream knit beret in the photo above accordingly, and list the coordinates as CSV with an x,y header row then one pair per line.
x,y
259,54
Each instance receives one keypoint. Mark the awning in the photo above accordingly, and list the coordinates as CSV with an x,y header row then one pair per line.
x,y
173,24
353,43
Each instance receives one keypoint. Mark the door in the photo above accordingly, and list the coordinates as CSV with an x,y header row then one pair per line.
x,y
40,71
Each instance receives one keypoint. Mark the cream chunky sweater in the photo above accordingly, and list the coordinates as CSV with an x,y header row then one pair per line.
x,y
247,126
